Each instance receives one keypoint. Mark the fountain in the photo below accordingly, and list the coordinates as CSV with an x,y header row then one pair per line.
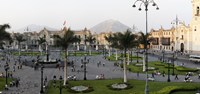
x,y
48,62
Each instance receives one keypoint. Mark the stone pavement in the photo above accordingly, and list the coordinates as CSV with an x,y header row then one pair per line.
x,y
30,79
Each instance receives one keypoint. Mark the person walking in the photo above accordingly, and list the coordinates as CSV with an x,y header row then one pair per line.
x,y
138,74
199,76
176,77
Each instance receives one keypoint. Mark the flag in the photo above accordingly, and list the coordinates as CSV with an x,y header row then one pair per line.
x,y
64,22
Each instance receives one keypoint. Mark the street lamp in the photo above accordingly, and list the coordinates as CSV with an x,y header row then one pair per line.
x,y
137,55
131,56
146,4
168,79
6,67
60,84
173,59
41,90
84,62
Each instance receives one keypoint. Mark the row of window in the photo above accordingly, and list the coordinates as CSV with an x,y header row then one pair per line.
x,y
164,33
161,47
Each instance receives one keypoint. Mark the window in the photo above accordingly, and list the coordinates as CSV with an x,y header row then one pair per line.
x,y
197,14
182,37
195,28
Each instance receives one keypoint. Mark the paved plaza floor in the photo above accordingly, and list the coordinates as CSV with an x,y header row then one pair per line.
x,y
30,79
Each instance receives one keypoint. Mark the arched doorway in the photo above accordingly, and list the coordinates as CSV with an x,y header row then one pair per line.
x,y
172,48
182,47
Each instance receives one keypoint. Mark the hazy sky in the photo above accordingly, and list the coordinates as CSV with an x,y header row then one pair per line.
x,y
87,13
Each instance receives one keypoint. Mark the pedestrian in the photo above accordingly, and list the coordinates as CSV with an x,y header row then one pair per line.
x,y
104,64
199,76
99,62
6,87
14,68
152,75
17,83
176,77
163,73
138,74
45,79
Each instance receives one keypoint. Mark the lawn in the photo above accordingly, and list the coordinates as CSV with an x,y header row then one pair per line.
x,y
82,53
162,67
3,82
28,53
113,57
100,87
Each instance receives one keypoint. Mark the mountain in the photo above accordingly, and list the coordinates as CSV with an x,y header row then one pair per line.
x,y
34,27
109,25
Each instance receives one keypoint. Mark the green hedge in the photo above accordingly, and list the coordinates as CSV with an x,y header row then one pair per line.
x,y
28,53
171,89
184,69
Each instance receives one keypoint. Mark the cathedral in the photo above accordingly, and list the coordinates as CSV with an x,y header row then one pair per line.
x,y
181,37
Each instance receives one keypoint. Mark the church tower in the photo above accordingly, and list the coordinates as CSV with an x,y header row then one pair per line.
x,y
195,25
195,11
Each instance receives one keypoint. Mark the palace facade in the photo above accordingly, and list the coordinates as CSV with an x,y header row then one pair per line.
x,y
33,37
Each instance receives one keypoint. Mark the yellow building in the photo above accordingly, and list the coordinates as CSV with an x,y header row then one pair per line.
x,y
163,39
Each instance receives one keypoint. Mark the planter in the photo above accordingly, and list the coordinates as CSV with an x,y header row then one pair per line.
x,y
119,86
80,89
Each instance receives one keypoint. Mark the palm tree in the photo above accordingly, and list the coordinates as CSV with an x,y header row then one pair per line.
x,y
143,39
124,41
90,39
4,35
109,40
19,38
64,42
41,41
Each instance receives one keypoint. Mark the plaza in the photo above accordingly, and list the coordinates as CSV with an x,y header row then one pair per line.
x,y
30,83
109,57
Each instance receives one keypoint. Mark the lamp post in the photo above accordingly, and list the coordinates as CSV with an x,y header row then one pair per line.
x,y
131,56
6,67
168,79
41,90
84,63
146,4
103,52
60,84
173,59
137,55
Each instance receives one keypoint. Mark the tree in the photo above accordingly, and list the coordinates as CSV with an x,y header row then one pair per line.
x,y
90,39
4,35
145,40
41,41
124,41
64,42
19,38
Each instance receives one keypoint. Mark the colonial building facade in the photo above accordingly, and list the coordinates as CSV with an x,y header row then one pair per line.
x,y
31,38
183,38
